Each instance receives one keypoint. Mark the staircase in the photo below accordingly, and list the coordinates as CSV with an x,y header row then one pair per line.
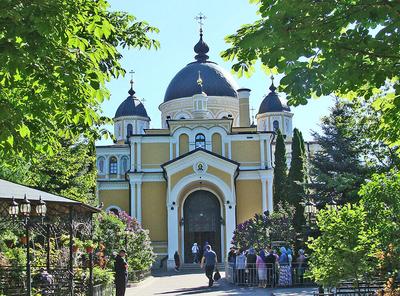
x,y
195,268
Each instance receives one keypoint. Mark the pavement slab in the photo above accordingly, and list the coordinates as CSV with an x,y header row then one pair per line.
x,y
197,284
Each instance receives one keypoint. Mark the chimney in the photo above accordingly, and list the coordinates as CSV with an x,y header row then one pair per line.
x,y
244,110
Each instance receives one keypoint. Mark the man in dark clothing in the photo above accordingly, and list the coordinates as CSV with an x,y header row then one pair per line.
x,y
270,261
121,273
209,260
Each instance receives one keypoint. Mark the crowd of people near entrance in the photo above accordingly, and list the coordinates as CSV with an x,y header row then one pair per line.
x,y
270,267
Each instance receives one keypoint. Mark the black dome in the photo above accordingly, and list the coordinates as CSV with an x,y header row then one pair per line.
x,y
131,107
216,81
272,103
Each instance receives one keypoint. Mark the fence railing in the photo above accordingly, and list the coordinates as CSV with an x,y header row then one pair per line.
x,y
267,275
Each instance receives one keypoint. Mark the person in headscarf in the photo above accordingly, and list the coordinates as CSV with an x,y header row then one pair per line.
x,y
261,269
290,256
285,275
251,266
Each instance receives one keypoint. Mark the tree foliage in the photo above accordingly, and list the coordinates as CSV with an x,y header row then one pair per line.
x,y
349,48
336,169
121,231
363,239
261,230
69,172
296,180
56,57
280,171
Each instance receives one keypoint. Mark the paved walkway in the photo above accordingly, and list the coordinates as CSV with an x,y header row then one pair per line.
x,y
196,284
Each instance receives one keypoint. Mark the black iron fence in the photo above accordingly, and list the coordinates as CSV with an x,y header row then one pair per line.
x,y
13,281
267,275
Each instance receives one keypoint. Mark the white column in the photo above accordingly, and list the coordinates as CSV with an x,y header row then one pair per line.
x,y
223,147
230,150
139,202
262,154
133,156
139,156
171,150
107,166
133,199
172,211
230,224
118,166
264,193
177,148
270,194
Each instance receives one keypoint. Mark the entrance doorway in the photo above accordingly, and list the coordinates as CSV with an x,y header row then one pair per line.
x,y
202,223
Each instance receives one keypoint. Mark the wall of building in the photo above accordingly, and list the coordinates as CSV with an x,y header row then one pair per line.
x,y
216,143
247,153
154,154
154,211
248,199
119,198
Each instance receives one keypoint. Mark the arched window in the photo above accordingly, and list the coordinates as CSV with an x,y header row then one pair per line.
x,y
129,130
113,165
100,165
275,125
200,141
124,164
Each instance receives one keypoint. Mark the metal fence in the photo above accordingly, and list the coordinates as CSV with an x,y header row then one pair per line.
x,y
267,275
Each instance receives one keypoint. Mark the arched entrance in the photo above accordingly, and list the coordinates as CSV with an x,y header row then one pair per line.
x,y
202,222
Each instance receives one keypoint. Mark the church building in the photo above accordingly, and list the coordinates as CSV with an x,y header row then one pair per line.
x,y
204,171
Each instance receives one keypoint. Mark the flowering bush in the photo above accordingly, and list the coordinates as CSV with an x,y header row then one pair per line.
x,y
116,232
263,229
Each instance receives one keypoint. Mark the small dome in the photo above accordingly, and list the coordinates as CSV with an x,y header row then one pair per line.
x,y
272,102
131,107
215,80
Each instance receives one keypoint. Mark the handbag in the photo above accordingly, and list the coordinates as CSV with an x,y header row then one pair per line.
x,y
217,275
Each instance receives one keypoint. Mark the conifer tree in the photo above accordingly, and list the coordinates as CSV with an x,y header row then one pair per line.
x,y
336,170
280,171
296,180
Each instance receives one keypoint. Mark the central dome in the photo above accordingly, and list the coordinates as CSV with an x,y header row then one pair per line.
x,y
216,81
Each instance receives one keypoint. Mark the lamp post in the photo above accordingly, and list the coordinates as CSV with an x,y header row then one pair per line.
x,y
25,211
332,205
310,210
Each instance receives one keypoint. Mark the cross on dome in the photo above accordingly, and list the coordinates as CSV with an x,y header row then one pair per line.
x,y
131,91
200,17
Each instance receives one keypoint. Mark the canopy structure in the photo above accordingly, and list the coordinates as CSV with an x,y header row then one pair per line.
x,y
64,218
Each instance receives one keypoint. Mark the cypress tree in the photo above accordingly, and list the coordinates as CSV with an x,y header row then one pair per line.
x,y
280,171
296,181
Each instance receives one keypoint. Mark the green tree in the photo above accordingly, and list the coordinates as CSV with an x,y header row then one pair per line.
x,y
70,171
349,48
56,58
361,240
343,250
280,171
296,180
336,170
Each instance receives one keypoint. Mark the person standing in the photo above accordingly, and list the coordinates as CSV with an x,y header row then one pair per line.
x,y
121,273
195,253
177,260
240,267
270,261
285,276
251,260
209,260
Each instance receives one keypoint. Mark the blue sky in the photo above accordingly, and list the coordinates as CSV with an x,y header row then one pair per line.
x,y
154,69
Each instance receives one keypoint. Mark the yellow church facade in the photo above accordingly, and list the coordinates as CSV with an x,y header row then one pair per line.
x,y
204,171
